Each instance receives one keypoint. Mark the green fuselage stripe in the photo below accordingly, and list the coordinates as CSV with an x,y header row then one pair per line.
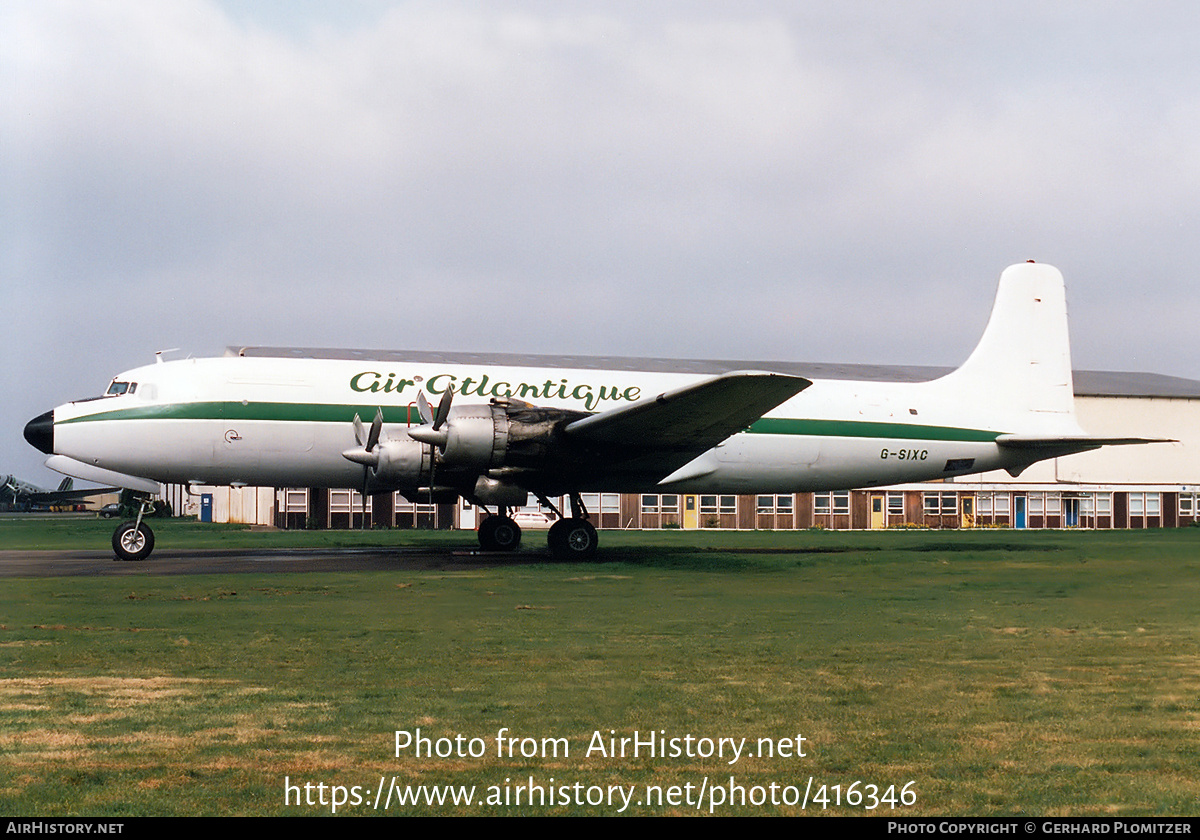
x,y
865,429
283,412
325,413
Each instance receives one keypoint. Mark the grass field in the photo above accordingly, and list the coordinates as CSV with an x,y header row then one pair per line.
x,y
996,672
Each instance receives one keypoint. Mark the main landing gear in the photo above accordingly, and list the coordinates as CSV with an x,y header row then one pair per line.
x,y
133,540
499,533
573,538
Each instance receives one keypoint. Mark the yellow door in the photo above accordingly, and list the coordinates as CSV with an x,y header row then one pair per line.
x,y
968,511
691,516
878,517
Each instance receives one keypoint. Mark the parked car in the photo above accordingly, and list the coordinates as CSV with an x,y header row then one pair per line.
x,y
110,510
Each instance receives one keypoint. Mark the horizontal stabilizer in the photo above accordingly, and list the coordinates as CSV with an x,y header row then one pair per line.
x,y
1081,441
1038,448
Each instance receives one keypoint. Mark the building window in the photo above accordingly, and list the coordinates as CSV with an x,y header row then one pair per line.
x,y
836,503
599,502
944,504
347,501
295,501
1145,504
776,504
713,505
1188,503
660,504
403,505
895,503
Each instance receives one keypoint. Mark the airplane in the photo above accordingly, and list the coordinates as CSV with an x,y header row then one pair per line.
x,y
15,493
505,427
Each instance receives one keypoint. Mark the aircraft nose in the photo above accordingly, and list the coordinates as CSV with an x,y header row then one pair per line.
x,y
40,432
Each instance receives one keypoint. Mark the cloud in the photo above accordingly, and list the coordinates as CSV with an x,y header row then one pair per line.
x,y
781,180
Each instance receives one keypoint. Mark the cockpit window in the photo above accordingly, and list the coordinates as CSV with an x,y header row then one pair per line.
x,y
118,388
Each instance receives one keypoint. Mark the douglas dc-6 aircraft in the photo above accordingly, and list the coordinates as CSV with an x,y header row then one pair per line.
x,y
493,430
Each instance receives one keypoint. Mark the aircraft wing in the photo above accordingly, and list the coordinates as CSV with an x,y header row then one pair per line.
x,y
661,434
58,497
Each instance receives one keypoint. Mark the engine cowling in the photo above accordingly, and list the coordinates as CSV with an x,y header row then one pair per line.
x,y
403,463
477,451
503,433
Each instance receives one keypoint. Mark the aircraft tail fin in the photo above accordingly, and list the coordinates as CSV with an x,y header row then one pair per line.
x,y
1022,364
65,485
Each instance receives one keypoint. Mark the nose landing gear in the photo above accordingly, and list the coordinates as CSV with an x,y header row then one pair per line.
x,y
133,540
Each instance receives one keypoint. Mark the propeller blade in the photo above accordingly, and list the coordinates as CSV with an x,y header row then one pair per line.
x,y
443,409
376,428
358,430
423,409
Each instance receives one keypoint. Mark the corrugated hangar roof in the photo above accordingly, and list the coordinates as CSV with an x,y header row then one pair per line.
x,y
1088,383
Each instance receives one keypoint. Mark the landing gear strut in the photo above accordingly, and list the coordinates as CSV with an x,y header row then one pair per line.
x,y
133,540
574,538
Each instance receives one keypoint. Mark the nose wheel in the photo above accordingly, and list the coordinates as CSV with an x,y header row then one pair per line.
x,y
133,540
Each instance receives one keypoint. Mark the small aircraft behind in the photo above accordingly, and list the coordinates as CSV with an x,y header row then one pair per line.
x,y
21,495
495,429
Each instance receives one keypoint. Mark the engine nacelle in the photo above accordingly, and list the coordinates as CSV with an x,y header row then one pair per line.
x,y
476,437
402,463
502,433
489,491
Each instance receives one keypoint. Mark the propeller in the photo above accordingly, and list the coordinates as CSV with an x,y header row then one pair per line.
x,y
367,454
431,431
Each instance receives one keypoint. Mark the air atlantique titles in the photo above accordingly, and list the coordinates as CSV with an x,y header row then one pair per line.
x,y
483,386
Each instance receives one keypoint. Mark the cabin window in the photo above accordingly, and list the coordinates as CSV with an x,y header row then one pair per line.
x,y
116,389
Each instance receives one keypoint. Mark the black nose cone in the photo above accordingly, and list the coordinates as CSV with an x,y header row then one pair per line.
x,y
40,432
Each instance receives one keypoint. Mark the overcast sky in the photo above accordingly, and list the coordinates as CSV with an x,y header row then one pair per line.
x,y
809,181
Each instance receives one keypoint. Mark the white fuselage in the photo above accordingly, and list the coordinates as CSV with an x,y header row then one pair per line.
x,y
285,422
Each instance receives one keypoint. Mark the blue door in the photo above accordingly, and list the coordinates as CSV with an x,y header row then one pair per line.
x,y
206,507
1071,512
1019,507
